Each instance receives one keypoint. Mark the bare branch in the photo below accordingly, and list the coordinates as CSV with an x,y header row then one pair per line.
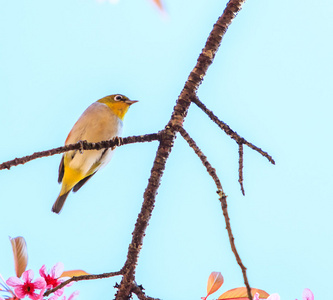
x,y
211,171
83,277
166,143
240,168
223,200
82,145
144,216
228,130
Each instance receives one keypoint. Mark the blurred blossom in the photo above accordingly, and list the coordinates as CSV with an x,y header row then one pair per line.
x,y
307,294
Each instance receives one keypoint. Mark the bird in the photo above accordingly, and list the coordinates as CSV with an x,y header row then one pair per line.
x,y
102,120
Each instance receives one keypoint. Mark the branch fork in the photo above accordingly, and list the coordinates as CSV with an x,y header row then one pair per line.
x,y
166,139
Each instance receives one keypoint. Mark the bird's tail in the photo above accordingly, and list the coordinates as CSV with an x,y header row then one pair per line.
x,y
59,203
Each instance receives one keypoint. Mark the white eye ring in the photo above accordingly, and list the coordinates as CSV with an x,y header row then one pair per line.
x,y
118,97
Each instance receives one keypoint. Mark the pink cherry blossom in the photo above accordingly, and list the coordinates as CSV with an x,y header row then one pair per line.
x,y
307,294
27,287
72,296
274,297
52,280
4,288
256,296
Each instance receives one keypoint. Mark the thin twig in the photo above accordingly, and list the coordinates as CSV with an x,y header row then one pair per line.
x,y
83,277
138,290
211,171
82,145
223,200
228,130
240,167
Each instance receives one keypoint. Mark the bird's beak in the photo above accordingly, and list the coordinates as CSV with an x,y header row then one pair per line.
x,y
130,102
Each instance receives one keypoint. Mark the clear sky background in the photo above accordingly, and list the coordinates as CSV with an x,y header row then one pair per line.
x,y
271,81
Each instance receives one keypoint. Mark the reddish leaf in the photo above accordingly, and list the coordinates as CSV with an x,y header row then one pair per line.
x,y
241,294
215,281
20,254
72,273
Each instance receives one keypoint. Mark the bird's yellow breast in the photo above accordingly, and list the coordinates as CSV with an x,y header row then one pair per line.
x,y
119,108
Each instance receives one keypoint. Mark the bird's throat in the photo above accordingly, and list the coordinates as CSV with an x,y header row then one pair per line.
x,y
118,108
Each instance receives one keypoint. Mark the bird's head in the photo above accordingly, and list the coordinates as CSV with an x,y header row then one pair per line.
x,y
119,104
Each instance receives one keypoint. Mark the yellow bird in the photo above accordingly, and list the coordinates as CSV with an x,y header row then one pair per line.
x,y
102,120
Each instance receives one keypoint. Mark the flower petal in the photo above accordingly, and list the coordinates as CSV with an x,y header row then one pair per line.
x,y
307,294
20,292
42,271
40,283
74,295
57,270
14,281
256,296
69,284
274,296
39,296
35,296
28,276
59,292
63,279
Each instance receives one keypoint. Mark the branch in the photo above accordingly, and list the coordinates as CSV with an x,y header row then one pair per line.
x,y
224,205
223,200
138,290
82,145
83,277
211,171
228,130
166,143
240,168
144,216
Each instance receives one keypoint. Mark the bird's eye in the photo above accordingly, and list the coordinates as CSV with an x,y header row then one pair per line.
x,y
118,98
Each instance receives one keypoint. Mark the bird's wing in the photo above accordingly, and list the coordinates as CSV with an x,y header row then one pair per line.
x,y
61,170
96,124
94,168
82,182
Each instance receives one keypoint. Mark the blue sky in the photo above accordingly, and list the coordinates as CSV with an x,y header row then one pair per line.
x,y
270,81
